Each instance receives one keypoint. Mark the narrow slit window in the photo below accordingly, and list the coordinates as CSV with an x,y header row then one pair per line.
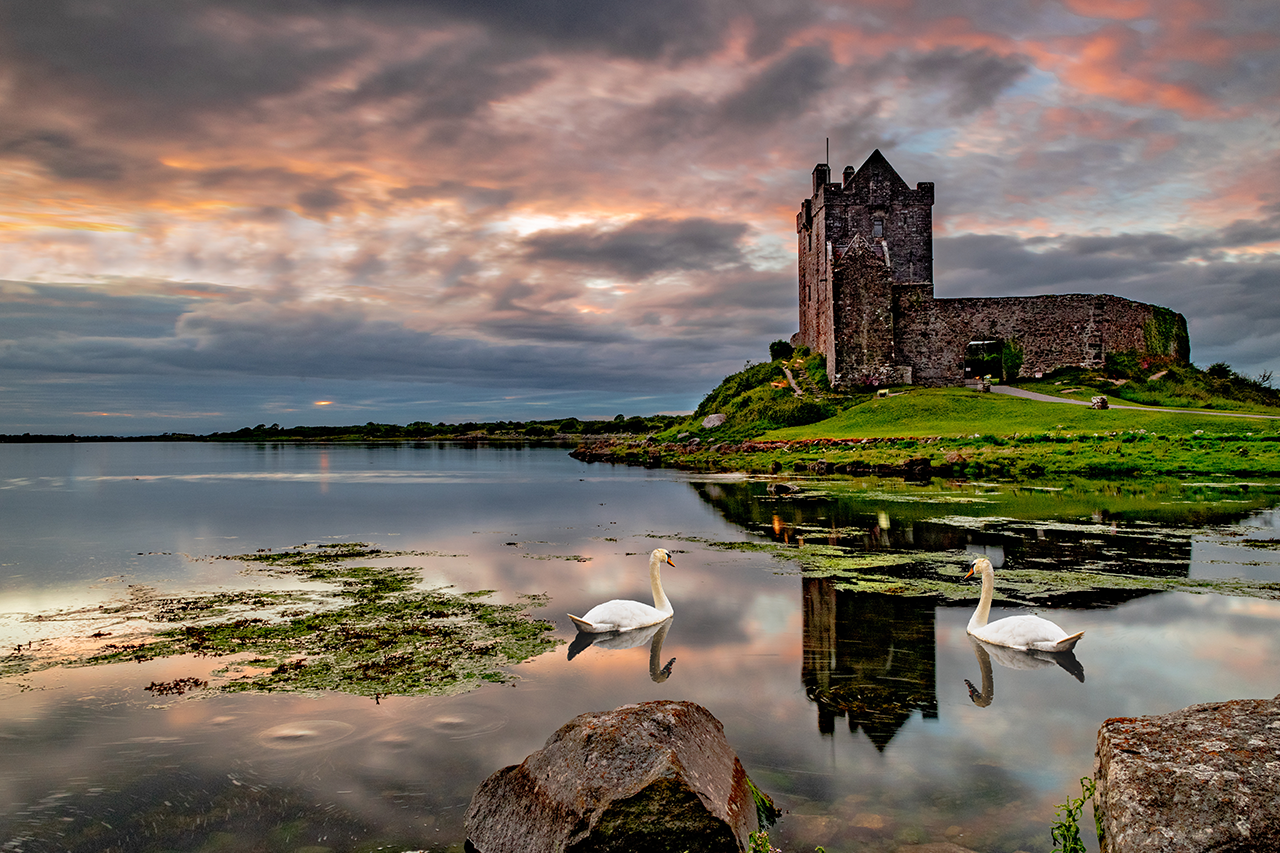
x,y
877,228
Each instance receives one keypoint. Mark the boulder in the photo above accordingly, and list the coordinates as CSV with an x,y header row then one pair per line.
x,y
1203,778
713,421
656,776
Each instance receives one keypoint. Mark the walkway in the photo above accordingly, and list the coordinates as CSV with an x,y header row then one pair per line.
x,y
1045,398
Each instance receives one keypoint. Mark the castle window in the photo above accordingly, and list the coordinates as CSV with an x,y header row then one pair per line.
x,y
877,228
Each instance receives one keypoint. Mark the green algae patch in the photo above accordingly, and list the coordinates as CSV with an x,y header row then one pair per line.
x,y
941,576
369,630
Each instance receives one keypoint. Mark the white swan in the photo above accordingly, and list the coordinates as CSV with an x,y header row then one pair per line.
x,y
620,615
1014,632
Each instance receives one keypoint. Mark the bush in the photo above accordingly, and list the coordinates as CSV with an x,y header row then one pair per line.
x,y
1010,359
780,350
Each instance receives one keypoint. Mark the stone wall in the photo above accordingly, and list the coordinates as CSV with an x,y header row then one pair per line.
x,y
1054,331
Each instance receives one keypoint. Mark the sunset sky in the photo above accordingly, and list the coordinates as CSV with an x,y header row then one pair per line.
x,y
218,213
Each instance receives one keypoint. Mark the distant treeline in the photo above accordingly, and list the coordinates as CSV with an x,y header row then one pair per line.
x,y
471,430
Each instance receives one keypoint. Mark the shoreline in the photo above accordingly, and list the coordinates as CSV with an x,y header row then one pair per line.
x,y
921,459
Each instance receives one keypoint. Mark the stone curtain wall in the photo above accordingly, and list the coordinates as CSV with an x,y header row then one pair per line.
x,y
1053,331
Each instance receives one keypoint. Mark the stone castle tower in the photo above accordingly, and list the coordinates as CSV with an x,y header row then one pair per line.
x,y
867,303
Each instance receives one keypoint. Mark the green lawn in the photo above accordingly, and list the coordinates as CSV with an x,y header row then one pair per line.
x,y
953,412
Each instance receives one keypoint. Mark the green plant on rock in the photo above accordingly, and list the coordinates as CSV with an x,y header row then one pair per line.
x,y
1065,831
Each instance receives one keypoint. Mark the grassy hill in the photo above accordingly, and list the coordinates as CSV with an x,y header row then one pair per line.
x,y
761,402
781,416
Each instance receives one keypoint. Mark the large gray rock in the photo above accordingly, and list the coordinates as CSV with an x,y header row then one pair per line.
x,y
1203,778
656,777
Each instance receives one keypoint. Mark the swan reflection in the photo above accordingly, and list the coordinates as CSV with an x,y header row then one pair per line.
x,y
653,634
1015,659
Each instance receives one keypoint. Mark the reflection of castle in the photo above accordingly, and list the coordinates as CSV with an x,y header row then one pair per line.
x,y
853,522
868,657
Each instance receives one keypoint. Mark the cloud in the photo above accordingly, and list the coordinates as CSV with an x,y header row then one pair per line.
x,y
569,195
64,156
783,90
642,29
175,57
644,247
974,78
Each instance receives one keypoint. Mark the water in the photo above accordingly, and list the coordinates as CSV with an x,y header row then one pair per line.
x,y
852,710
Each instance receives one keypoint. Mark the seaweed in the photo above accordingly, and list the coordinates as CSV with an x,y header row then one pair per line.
x,y
372,631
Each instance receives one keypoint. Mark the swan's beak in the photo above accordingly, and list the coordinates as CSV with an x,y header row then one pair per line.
x,y
669,563
970,574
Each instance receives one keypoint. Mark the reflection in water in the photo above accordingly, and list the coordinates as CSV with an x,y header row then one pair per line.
x,y
869,657
654,635
1015,659
1040,528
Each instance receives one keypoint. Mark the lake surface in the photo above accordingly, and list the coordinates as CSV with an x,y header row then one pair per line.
x,y
867,717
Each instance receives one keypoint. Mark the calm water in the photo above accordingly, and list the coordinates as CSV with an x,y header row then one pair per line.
x,y
851,710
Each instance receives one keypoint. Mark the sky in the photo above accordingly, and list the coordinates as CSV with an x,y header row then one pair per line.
x,y
219,213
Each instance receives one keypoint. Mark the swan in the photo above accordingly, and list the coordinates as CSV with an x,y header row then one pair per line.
x,y
1014,632
654,635
620,615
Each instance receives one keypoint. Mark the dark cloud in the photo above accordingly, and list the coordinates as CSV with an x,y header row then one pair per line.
x,y
53,333
644,247
453,80
473,197
180,55
642,29
973,78
64,156
320,201
783,90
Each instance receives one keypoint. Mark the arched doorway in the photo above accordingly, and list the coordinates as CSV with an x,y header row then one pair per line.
x,y
983,357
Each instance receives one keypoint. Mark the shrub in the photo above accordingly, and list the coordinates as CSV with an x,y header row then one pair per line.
x,y
1010,359
780,350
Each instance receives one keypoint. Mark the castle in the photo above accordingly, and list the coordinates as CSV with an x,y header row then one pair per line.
x,y
867,303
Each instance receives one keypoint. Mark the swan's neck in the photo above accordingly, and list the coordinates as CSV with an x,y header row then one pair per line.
x,y
979,618
655,580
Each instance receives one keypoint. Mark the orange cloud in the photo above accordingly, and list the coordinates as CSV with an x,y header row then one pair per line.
x,y
1114,63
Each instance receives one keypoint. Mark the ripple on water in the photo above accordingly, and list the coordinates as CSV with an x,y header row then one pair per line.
x,y
304,734
464,721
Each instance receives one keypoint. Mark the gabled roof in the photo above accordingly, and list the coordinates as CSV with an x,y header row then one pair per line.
x,y
876,166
